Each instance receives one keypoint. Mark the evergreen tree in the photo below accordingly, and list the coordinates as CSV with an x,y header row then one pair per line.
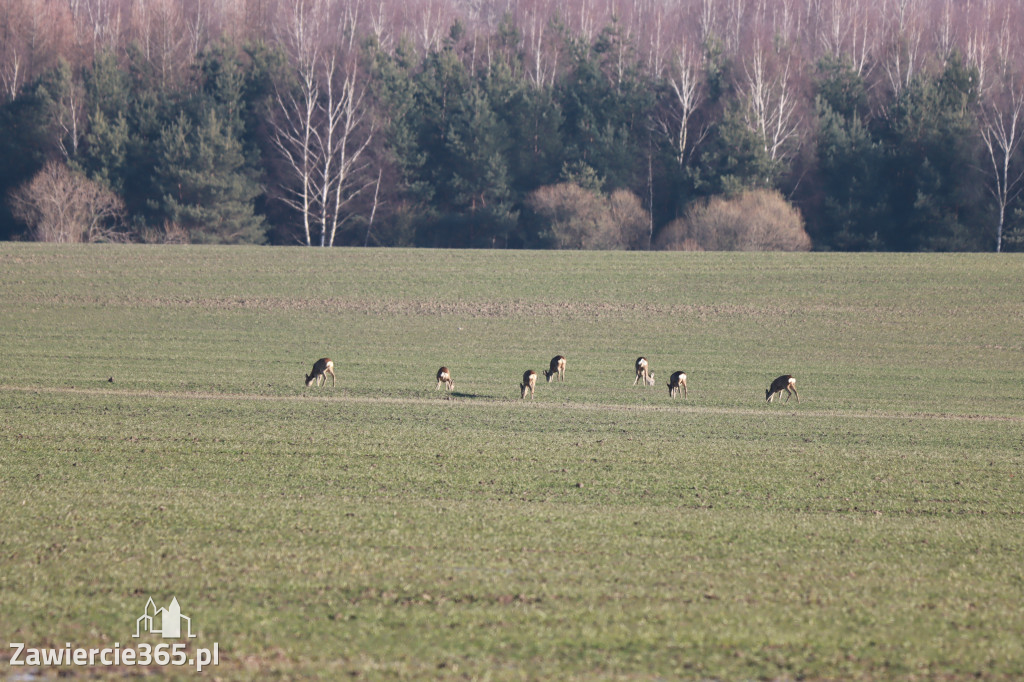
x,y
732,159
205,185
933,187
851,169
104,157
60,100
479,184
606,107
108,86
396,91
441,87
534,119
26,142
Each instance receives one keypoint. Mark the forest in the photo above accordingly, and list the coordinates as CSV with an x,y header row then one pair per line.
x,y
889,125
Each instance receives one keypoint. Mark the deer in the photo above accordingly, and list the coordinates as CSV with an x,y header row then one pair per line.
x,y
445,377
557,368
529,383
321,368
643,370
783,383
677,380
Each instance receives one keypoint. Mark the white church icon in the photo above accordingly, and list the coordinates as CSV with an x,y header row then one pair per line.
x,y
170,620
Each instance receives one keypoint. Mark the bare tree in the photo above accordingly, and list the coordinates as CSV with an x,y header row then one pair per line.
x,y
845,31
978,57
294,131
1002,128
321,129
686,82
59,205
13,26
34,34
708,20
165,37
771,107
735,23
97,24
902,54
68,111
429,21
541,58
345,138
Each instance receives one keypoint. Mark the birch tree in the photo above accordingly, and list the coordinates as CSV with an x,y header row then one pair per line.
x,y
1002,128
900,61
771,107
844,32
344,138
321,129
686,83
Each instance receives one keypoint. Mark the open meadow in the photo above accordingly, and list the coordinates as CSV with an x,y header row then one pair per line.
x,y
157,440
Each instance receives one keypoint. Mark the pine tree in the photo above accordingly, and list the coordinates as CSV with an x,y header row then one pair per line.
x,y
850,162
931,178
205,185
479,183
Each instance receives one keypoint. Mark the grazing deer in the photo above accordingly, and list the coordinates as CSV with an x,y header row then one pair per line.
x,y
784,383
529,383
321,368
643,370
677,380
557,367
445,377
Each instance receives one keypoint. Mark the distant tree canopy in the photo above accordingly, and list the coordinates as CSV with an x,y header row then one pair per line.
x,y
883,126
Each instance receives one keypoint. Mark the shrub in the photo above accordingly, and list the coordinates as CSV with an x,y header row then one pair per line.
x,y
59,205
755,220
576,218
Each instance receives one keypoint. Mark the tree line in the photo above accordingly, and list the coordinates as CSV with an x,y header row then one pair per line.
x,y
749,124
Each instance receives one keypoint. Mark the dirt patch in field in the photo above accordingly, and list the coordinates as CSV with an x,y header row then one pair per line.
x,y
393,307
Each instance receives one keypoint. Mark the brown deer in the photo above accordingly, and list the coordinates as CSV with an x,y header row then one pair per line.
x,y
783,383
321,368
643,371
445,377
675,382
529,383
557,368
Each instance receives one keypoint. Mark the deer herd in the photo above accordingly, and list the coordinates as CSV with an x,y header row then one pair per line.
x,y
786,382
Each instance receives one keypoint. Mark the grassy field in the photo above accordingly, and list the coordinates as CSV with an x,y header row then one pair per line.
x,y
384,530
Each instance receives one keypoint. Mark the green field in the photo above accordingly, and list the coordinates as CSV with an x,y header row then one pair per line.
x,y
384,530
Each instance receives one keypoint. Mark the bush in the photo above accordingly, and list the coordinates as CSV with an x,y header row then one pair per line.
x,y
576,218
755,220
60,205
